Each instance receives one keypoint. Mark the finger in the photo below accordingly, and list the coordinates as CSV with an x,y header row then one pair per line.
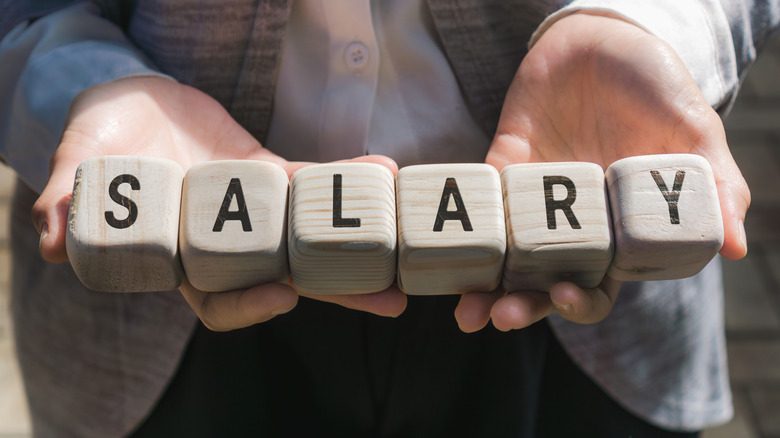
x,y
585,306
473,310
293,166
518,310
390,302
376,159
224,311
506,149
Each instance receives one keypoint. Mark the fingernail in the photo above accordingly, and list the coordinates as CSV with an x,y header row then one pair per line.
x,y
44,233
742,234
562,307
281,311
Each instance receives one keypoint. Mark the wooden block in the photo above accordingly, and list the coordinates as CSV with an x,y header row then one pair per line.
x,y
123,224
558,225
233,224
666,214
342,231
451,233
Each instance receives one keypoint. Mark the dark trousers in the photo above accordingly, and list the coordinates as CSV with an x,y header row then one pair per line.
x,y
322,370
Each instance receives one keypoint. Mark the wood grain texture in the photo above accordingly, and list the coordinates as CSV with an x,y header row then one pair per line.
x,y
123,224
667,217
233,224
342,229
558,225
441,250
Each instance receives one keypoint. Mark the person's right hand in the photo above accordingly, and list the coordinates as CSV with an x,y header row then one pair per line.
x,y
158,117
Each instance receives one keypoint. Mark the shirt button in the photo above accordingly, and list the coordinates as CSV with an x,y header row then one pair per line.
x,y
356,55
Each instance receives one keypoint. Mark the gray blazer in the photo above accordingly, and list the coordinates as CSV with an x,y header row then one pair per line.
x,y
94,364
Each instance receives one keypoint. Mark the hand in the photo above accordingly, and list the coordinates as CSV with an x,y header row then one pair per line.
x,y
596,88
158,117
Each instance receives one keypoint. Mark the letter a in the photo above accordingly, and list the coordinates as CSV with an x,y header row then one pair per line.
x,y
460,214
241,214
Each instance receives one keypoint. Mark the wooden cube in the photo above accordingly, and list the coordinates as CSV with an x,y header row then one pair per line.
x,y
342,230
666,214
123,224
558,225
233,224
451,233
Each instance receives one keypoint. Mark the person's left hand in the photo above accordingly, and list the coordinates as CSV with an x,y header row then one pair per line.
x,y
596,88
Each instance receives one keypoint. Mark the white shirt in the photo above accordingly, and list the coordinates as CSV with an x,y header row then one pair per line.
x,y
360,77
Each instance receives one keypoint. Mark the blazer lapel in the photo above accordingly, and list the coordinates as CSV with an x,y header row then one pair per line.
x,y
252,100
228,49
485,41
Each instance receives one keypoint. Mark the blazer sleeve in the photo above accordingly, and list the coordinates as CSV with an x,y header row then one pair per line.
x,y
752,23
716,39
47,60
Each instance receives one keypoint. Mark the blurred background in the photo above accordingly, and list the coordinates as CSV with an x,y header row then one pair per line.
x,y
752,284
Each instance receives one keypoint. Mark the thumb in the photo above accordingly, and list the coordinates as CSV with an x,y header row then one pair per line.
x,y
50,211
734,197
733,192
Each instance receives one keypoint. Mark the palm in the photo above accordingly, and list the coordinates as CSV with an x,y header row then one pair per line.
x,y
155,117
596,93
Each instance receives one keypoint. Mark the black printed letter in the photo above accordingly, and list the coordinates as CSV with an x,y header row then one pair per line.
x,y
671,198
338,221
460,214
132,209
242,214
565,204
